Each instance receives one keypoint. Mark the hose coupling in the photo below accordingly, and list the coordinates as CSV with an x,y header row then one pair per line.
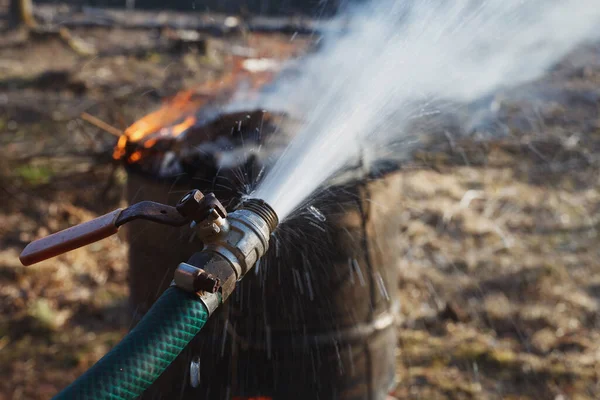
x,y
230,252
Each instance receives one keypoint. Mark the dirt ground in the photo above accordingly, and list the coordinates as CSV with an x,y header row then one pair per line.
x,y
500,283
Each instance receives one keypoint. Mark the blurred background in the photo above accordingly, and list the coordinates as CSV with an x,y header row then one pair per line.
x,y
499,279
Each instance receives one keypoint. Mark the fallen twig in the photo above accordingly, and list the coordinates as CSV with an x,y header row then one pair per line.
x,y
101,124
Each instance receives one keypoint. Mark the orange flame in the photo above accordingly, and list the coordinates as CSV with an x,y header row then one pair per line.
x,y
177,114
162,122
135,157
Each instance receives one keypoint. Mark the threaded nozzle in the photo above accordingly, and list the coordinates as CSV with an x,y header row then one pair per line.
x,y
265,211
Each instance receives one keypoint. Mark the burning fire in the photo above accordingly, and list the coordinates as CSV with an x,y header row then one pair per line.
x,y
179,113
162,123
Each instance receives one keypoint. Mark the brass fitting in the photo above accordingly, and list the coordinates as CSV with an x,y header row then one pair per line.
x,y
230,250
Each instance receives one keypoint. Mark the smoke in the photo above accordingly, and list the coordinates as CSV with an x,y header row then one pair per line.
x,y
398,60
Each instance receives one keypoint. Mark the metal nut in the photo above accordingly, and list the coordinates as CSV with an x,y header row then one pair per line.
x,y
190,203
206,282
194,279
213,205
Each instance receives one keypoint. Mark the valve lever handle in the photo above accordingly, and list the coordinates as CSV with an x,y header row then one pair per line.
x,y
98,229
71,238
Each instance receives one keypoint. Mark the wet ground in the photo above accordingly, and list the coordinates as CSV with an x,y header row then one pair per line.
x,y
500,283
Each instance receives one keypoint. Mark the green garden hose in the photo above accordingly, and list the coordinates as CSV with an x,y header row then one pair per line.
x,y
139,359
232,245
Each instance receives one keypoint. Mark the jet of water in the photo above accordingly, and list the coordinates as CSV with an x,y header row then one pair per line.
x,y
394,60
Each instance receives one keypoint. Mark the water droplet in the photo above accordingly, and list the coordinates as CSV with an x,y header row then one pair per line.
x,y
268,340
277,247
358,271
297,280
314,368
257,267
195,372
224,337
319,227
351,358
309,285
381,285
260,174
339,358
316,213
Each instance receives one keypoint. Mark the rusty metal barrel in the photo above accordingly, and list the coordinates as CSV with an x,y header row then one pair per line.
x,y
313,320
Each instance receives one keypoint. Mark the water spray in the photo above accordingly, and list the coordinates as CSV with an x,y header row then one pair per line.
x,y
233,243
399,61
